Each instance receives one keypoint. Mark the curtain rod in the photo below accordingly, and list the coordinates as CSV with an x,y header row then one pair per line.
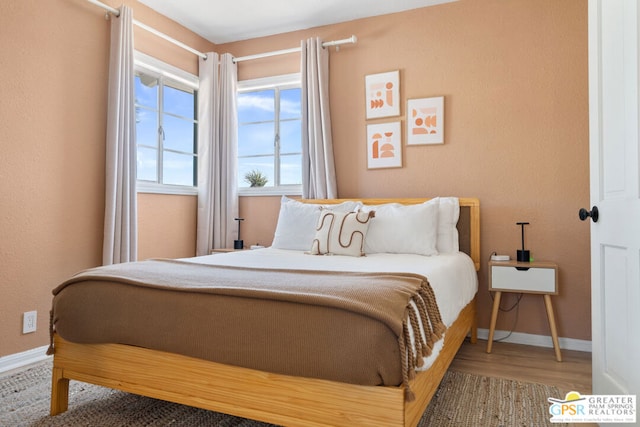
x,y
116,12
352,39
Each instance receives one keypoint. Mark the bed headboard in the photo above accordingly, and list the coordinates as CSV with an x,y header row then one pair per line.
x,y
468,224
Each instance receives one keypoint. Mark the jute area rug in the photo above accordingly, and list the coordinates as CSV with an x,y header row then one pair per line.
x,y
461,400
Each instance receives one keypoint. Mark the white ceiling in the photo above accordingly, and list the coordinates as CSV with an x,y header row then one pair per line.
x,y
222,21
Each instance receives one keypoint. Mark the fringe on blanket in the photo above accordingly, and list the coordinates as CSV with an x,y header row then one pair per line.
x,y
427,319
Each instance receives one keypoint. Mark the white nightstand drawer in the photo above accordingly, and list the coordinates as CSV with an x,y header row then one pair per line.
x,y
531,280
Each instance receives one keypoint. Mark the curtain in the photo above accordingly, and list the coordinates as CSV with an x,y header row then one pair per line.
x,y
217,148
318,168
120,220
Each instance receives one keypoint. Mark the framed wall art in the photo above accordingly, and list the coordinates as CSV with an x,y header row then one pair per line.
x,y
383,94
384,145
425,121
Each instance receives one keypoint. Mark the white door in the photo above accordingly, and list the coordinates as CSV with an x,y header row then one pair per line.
x,y
614,44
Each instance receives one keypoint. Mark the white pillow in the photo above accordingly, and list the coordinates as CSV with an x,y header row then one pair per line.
x,y
341,233
448,215
297,222
403,229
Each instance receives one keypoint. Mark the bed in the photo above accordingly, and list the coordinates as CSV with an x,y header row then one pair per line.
x,y
297,393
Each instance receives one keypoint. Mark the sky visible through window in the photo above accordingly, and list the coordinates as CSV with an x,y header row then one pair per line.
x,y
178,112
257,120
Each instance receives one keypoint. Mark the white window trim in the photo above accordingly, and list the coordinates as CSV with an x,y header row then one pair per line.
x,y
156,67
283,190
261,83
284,81
155,188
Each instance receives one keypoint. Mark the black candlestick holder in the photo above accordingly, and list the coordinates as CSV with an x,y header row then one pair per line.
x,y
238,244
523,255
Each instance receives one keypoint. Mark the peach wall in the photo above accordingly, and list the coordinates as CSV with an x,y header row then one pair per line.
x,y
171,234
54,65
514,77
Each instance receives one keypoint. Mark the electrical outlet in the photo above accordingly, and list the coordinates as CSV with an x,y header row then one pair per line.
x,y
29,321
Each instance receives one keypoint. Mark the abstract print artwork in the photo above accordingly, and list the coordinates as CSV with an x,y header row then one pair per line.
x,y
383,94
384,145
425,121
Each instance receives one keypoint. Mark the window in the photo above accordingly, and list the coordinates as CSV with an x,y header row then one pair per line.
x,y
270,136
166,127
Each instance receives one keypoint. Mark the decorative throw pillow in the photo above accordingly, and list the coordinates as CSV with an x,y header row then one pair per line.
x,y
341,233
297,222
403,229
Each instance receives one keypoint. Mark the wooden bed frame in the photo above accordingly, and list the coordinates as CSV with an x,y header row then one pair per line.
x,y
273,398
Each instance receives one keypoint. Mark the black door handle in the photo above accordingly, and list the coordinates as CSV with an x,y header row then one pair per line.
x,y
593,213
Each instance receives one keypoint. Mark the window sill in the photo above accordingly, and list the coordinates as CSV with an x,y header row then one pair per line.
x,y
155,188
292,190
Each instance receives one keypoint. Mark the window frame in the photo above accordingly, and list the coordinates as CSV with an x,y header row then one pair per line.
x,y
280,82
181,78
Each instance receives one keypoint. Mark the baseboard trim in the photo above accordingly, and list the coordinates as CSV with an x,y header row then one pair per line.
x,y
537,340
18,360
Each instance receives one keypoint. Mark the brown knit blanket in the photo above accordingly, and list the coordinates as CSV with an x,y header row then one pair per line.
x,y
385,297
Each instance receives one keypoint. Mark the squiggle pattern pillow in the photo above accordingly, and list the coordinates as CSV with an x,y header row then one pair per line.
x,y
297,222
341,233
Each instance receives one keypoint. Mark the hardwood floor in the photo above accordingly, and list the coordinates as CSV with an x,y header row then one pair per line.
x,y
527,363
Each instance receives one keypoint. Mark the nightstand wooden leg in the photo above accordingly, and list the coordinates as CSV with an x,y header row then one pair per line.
x,y
552,324
494,317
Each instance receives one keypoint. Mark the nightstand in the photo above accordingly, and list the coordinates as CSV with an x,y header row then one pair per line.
x,y
528,278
